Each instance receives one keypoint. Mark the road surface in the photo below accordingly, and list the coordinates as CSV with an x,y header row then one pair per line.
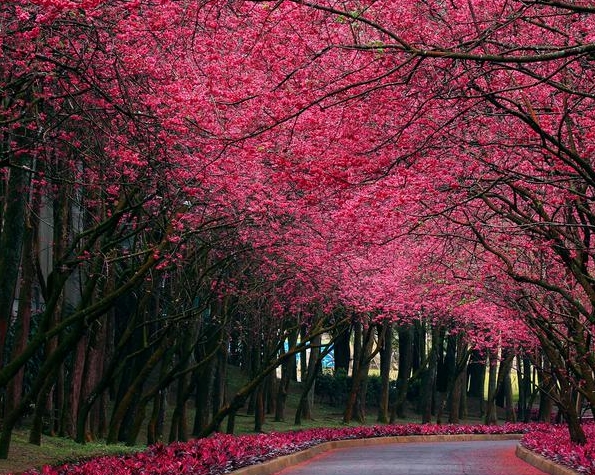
x,y
423,458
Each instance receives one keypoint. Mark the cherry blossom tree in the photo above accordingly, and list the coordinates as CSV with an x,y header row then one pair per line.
x,y
388,158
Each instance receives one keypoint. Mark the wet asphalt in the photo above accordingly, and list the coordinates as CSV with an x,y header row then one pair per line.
x,y
424,458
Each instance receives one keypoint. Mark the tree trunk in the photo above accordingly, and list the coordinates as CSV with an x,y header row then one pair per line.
x,y
504,385
282,391
491,415
270,393
132,393
386,356
446,372
179,428
304,410
259,413
356,402
546,386
456,396
24,312
239,399
456,389
357,347
116,362
202,400
405,334
524,372
219,380
419,345
155,425
95,360
428,379
343,350
476,372
11,243
75,384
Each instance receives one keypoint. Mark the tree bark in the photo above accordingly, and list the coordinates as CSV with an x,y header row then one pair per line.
x,y
133,392
356,403
405,335
24,312
476,372
491,415
283,390
343,350
428,379
11,243
386,356
304,410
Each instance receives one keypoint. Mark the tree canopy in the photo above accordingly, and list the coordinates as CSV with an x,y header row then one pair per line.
x,y
395,158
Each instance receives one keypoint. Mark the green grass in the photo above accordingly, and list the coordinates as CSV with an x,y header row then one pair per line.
x,y
53,451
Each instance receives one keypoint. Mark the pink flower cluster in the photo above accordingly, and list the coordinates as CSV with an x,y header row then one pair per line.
x,y
223,453
553,442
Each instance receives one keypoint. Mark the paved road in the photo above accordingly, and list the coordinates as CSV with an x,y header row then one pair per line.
x,y
424,458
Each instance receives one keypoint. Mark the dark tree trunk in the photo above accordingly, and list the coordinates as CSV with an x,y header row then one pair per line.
x,y
283,391
357,346
446,372
74,389
304,410
419,345
360,398
386,355
92,374
271,393
497,384
259,412
11,243
179,427
356,402
204,379
219,381
428,379
546,387
24,313
504,385
476,372
458,389
405,366
524,373
100,389
491,415
133,394
343,350
155,425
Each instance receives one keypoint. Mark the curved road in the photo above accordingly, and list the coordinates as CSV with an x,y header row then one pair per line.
x,y
423,458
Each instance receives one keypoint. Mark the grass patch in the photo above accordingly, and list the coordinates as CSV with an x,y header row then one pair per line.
x,y
53,451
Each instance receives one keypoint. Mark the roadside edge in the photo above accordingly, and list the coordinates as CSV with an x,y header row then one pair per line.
x,y
542,463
